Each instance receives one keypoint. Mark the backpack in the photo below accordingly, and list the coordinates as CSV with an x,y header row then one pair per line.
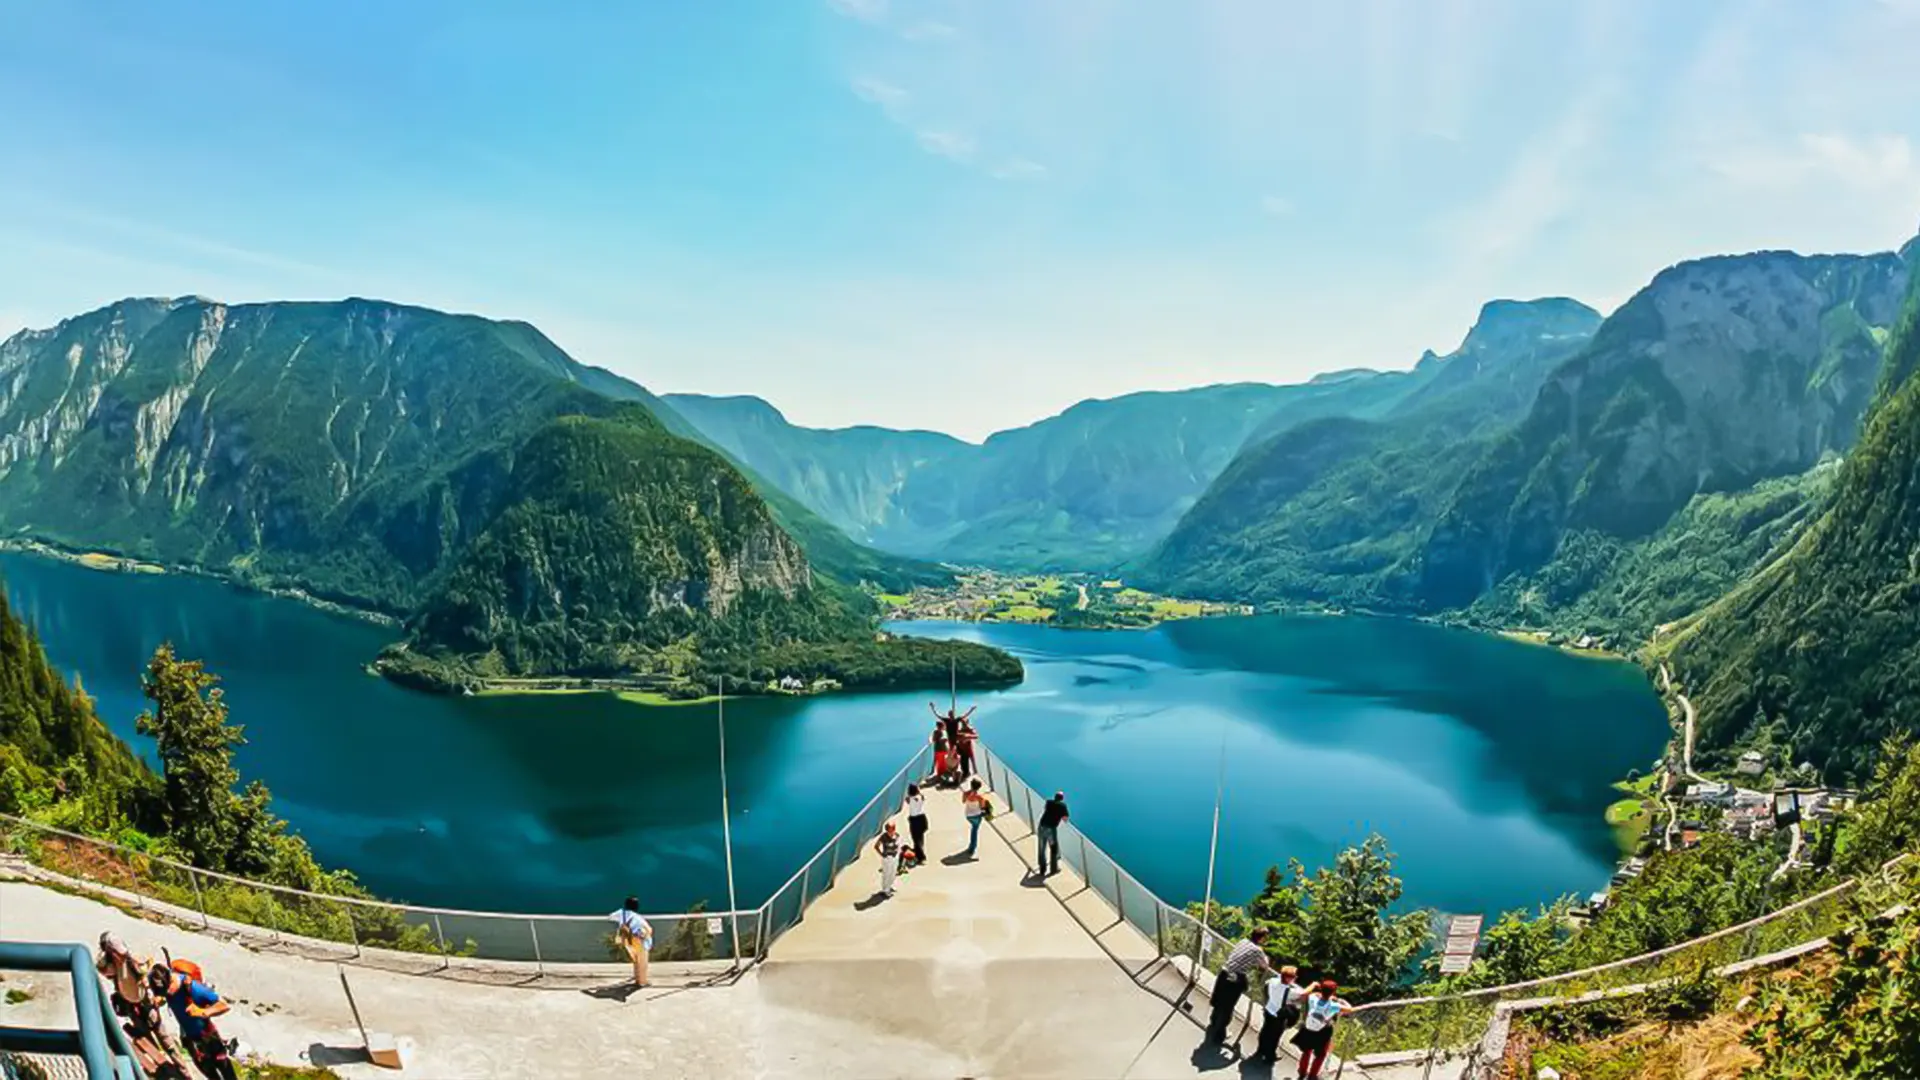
x,y
189,969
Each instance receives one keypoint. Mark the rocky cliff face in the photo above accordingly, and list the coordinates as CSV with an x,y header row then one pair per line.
x,y
1719,374
347,448
1817,657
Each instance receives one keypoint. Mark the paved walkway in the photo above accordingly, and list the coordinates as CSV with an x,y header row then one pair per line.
x,y
971,970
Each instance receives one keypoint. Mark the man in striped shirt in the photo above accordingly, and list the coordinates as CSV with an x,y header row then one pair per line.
x,y
1228,986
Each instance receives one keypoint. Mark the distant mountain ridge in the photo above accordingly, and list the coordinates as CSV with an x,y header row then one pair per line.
x,y
379,455
1322,510
1517,483
1090,487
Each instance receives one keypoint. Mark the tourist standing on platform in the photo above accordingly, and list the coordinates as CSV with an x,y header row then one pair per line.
x,y
975,802
1048,831
942,753
1248,956
160,1055
964,745
950,720
635,935
1316,1033
889,848
917,821
195,1005
1284,995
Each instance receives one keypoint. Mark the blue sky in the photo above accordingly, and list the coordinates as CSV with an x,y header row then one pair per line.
x,y
957,215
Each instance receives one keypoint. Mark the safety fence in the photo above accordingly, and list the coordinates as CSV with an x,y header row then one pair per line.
x,y
1451,1025
1439,1027
1175,934
329,926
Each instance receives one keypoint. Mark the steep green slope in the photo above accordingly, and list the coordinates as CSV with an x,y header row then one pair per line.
x,y
51,743
621,550
345,448
1721,373
1624,591
1092,486
1331,509
348,449
1818,657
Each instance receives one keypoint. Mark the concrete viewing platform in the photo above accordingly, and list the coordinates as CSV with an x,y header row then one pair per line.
x,y
974,968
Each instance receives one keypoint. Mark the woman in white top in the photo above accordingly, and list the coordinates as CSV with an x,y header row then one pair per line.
x,y
1323,1007
917,821
635,935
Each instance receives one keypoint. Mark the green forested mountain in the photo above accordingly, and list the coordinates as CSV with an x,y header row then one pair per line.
x,y
1817,658
51,743
1090,487
1719,374
344,448
376,455
1330,509
1633,459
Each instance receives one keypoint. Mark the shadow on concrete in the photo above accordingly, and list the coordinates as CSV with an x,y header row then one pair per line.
x,y
1210,1056
959,858
871,902
1257,1067
616,992
322,1056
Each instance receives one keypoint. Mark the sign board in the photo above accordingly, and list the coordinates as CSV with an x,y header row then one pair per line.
x,y
714,926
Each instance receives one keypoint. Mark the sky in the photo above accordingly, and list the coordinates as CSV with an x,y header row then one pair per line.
x,y
962,215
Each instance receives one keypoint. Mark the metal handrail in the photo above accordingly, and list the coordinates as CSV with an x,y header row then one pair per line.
x,y
828,847
1641,958
337,898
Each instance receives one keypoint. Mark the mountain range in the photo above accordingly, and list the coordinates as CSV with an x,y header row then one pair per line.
x,y
1092,487
418,464
1688,470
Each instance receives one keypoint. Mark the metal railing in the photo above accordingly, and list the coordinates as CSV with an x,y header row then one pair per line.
x,y
1451,1024
788,904
330,926
1176,936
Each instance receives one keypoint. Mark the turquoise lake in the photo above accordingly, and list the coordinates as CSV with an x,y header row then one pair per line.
x,y
1485,762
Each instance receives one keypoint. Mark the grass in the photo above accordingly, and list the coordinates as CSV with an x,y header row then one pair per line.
x,y
1177,609
269,1071
893,599
1632,815
649,697
1027,613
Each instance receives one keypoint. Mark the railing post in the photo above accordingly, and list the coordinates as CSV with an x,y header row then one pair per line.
x,y
441,937
273,924
1086,865
353,932
1119,890
1159,928
199,900
806,879
539,964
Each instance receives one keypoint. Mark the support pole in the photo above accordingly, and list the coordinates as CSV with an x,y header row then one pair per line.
x,y
726,827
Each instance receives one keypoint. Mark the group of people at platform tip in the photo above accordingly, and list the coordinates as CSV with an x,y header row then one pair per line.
x,y
953,741
143,992
1309,1010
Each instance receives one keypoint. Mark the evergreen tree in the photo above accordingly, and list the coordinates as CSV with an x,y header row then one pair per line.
x,y
188,721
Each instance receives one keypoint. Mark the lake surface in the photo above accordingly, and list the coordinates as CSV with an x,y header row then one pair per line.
x,y
1485,762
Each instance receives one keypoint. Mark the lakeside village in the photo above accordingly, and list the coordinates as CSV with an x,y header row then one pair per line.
x,y
1672,808
1080,601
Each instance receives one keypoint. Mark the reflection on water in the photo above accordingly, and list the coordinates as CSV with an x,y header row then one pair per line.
x,y
1485,762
